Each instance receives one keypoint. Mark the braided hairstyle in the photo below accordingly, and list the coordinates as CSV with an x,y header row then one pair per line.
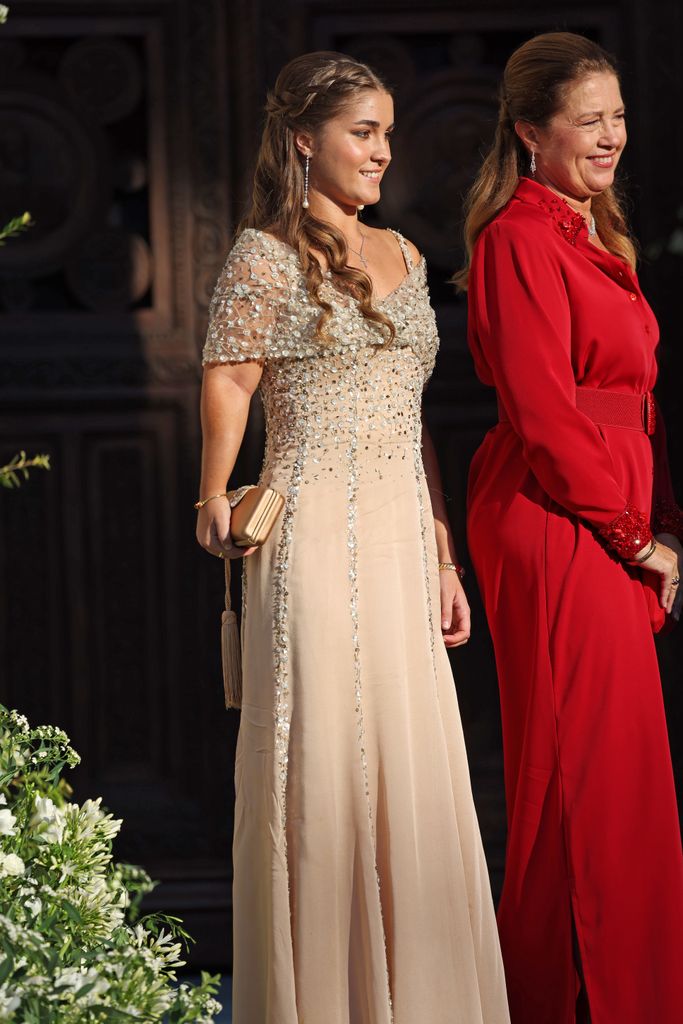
x,y
309,92
535,82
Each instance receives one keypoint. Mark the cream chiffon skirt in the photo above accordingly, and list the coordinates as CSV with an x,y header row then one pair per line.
x,y
361,894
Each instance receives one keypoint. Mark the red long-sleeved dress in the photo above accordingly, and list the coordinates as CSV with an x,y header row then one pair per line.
x,y
557,503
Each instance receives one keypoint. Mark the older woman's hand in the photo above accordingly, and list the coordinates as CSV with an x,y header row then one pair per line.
x,y
672,543
667,561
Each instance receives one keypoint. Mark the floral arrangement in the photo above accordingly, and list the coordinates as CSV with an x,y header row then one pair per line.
x,y
73,946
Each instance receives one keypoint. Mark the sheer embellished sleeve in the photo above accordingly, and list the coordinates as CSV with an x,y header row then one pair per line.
x,y
248,302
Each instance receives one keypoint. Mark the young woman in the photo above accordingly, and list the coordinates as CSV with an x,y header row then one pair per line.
x,y
360,889
566,493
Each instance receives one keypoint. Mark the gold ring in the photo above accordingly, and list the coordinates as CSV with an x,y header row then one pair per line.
x,y
675,581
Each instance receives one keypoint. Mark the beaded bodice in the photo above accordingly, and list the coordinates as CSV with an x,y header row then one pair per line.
x,y
322,393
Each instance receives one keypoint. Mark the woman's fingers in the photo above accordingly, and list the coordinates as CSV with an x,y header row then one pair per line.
x,y
665,563
456,639
213,533
221,547
458,630
672,596
461,612
448,587
446,609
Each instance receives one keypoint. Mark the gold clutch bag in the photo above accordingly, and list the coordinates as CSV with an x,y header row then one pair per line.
x,y
253,514
253,511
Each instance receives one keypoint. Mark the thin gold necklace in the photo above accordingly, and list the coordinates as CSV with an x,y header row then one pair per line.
x,y
359,252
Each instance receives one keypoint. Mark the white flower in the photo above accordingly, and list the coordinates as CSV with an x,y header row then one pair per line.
x,y
34,906
91,820
3,798
75,978
8,1002
7,822
70,979
48,820
10,864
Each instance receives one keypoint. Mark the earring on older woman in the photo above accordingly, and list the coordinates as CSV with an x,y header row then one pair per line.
x,y
305,203
532,165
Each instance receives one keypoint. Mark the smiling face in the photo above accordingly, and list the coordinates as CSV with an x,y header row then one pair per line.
x,y
351,152
578,151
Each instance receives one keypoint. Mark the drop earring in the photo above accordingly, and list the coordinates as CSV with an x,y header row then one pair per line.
x,y
305,203
361,207
532,165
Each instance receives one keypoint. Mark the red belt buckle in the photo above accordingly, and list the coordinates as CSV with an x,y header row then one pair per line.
x,y
649,413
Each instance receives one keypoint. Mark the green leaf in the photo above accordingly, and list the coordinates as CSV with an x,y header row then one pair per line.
x,y
6,968
84,989
72,912
15,227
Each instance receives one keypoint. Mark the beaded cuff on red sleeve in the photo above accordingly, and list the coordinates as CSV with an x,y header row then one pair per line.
x,y
668,518
628,534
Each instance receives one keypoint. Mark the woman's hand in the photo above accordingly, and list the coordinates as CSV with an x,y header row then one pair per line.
x,y
455,610
671,598
213,530
667,561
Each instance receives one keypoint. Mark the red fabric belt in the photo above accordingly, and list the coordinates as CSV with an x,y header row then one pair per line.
x,y
611,409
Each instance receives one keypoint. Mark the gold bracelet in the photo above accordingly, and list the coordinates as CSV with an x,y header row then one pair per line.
x,y
452,567
202,502
643,558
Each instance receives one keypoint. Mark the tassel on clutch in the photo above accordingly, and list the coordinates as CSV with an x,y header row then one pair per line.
x,y
253,514
231,652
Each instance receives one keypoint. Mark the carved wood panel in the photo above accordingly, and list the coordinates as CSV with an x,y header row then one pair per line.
x,y
113,134
128,127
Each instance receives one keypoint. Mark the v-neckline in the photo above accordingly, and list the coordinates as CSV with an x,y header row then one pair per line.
x,y
400,284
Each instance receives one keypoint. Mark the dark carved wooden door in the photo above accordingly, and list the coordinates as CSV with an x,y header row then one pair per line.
x,y
128,129
113,133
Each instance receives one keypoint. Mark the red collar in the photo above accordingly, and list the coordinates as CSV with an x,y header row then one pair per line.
x,y
569,223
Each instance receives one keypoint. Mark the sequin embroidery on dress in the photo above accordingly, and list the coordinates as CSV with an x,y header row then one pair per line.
x,y
344,412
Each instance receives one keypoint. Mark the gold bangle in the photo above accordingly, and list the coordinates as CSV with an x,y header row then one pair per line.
x,y
452,567
643,558
202,502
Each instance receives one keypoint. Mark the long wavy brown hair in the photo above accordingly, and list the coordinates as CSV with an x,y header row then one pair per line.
x,y
309,92
535,82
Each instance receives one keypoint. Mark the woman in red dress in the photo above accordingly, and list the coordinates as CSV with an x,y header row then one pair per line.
x,y
562,512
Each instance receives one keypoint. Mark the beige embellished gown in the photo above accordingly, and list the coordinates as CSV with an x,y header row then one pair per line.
x,y
361,894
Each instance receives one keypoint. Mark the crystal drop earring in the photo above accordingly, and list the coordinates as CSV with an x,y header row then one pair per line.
x,y
532,165
305,203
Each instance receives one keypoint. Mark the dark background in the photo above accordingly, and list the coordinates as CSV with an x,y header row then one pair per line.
x,y
128,129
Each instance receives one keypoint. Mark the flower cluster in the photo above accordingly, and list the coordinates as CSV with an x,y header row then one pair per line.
x,y
73,947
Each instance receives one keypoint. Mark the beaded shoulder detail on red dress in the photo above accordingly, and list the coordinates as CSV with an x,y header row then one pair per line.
x,y
568,221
